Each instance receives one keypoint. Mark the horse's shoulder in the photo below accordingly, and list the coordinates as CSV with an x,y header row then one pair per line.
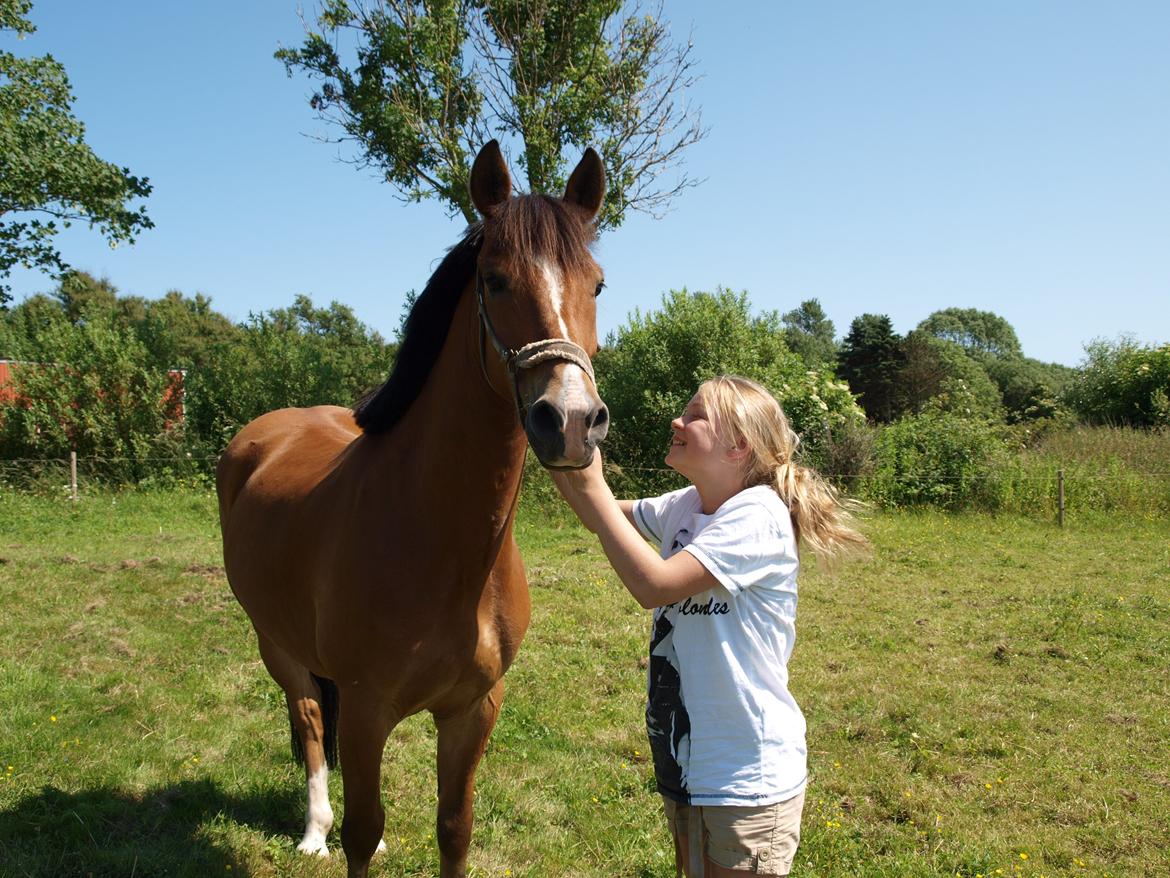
x,y
290,436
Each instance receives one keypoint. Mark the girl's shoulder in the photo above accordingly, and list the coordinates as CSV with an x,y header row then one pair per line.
x,y
759,499
759,509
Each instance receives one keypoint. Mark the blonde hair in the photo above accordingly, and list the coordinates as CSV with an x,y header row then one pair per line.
x,y
741,409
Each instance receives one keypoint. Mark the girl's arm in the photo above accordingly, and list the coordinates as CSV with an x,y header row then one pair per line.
x,y
627,508
653,581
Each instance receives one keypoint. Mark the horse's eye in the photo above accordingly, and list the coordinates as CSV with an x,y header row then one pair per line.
x,y
600,287
495,283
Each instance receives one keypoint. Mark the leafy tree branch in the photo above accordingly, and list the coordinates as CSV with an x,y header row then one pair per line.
x,y
46,167
419,85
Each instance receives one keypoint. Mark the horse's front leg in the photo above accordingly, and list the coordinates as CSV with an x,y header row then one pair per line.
x,y
363,728
462,739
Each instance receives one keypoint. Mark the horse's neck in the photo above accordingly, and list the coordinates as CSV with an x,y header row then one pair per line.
x,y
464,435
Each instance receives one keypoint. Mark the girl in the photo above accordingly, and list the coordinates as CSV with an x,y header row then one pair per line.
x,y
727,737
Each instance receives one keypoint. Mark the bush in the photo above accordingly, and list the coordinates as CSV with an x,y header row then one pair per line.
x,y
298,356
86,386
652,366
1123,383
938,459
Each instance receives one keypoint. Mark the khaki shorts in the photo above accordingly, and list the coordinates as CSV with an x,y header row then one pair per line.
x,y
762,840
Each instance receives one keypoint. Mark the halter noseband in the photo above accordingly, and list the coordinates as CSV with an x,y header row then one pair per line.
x,y
528,356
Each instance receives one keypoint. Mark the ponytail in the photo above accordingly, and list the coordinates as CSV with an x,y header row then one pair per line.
x,y
821,518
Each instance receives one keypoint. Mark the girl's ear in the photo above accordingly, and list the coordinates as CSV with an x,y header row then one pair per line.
x,y
739,451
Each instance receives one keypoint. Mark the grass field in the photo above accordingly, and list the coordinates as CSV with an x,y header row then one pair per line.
x,y
986,696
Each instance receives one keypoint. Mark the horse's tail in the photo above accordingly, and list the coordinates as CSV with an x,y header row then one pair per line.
x,y
329,702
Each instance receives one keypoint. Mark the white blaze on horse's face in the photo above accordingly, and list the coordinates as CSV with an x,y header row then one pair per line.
x,y
553,281
566,418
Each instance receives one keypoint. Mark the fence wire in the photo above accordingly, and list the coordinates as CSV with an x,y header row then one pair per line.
x,y
1036,488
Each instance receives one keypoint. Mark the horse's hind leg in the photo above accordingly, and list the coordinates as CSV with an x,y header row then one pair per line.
x,y
462,739
309,711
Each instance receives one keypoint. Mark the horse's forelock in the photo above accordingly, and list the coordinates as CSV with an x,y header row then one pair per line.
x,y
543,226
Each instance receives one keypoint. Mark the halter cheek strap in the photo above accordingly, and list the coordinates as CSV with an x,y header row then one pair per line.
x,y
528,356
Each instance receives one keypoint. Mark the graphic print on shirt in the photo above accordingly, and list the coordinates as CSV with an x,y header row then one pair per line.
x,y
667,720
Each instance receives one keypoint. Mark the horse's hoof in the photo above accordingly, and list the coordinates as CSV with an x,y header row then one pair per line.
x,y
313,846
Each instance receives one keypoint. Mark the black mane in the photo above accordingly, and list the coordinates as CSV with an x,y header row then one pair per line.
x,y
425,333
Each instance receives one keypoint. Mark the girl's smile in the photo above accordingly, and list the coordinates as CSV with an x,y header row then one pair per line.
x,y
694,446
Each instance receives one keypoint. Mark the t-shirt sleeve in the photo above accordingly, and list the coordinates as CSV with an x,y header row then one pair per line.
x,y
748,545
651,513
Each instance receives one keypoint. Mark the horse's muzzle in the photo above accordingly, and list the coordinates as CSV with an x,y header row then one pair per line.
x,y
565,434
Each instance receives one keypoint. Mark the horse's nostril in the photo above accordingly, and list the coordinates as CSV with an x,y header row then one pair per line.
x,y
600,418
544,419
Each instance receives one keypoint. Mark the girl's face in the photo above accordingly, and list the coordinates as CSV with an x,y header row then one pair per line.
x,y
695,449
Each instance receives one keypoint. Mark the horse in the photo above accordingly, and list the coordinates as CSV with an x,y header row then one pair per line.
x,y
372,548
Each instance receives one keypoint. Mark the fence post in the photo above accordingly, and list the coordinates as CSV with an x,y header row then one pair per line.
x,y
73,476
1060,496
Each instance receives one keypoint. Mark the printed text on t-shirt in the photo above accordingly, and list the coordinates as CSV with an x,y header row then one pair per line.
x,y
708,609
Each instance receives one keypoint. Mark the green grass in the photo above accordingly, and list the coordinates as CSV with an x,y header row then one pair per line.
x,y
984,687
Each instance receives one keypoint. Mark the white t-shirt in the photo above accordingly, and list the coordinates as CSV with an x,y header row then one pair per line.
x,y
724,729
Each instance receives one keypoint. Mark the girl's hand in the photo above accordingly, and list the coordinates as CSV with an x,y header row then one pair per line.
x,y
585,490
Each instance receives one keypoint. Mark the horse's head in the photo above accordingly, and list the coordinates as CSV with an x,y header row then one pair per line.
x,y
537,283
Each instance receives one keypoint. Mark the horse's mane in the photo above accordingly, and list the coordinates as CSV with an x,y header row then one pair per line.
x,y
530,223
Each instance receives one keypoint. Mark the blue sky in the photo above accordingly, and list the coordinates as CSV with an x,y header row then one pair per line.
x,y
891,158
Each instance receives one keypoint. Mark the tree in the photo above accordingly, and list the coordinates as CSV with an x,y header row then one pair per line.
x,y
297,356
1030,388
433,80
870,361
939,374
979,332
80,292
47,169
652,365
809,332
179,331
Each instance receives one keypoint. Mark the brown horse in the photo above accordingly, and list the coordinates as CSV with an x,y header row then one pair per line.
x,y
373,548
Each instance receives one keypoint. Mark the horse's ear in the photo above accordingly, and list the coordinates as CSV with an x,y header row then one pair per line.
x,y
491,184
587,183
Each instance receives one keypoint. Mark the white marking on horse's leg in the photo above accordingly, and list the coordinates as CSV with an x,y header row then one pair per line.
x,y
381,847
556,291
319,819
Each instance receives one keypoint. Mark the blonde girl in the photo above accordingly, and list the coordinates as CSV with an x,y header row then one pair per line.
x,y
727,737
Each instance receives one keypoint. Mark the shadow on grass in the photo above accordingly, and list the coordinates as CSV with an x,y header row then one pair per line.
x,y
109,832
